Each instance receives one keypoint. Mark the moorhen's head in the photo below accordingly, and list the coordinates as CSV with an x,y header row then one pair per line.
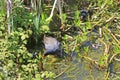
x,y
52,46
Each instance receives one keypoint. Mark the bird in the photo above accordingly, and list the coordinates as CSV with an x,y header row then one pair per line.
x,y
52,46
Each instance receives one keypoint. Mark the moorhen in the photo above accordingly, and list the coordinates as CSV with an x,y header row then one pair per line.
x,y
52,46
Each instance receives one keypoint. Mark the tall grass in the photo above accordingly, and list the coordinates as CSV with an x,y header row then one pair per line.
x,y
37,10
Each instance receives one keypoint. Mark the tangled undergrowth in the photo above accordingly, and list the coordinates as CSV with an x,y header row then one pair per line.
x,y
89,28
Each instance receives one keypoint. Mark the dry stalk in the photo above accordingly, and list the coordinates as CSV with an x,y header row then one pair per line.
x,y
106,47
114,37
112,58
107,76
117,59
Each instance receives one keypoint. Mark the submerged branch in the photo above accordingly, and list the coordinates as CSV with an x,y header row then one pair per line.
x,y
99,66
62,72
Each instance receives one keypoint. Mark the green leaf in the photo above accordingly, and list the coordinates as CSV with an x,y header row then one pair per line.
x,y
23,37
20,59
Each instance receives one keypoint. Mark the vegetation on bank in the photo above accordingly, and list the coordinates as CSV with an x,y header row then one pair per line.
x,y
81,24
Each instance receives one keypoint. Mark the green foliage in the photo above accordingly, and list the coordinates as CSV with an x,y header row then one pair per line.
x,y
64,18
102,60
104,3
2,12
44,75
116,49
14,53
40,25
44,28
2,16
15,61
22,18
77,18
